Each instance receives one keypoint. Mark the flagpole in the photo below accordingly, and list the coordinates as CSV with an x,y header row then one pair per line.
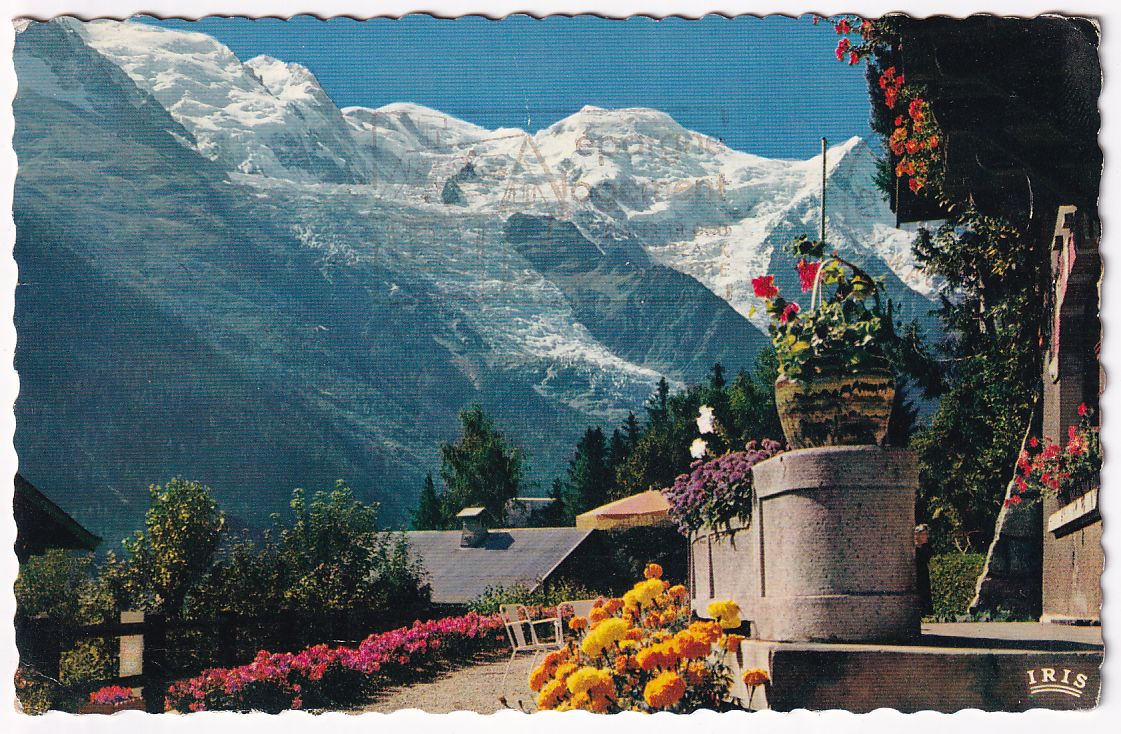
x,y
824,143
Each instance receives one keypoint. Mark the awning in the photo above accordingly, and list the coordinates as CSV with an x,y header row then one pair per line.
x,y
647,508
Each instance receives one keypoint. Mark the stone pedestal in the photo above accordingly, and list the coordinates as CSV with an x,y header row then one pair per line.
x,y
834,533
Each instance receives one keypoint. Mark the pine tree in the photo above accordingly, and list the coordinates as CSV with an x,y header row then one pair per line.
x,y
430,512
590,480
716,377
481,468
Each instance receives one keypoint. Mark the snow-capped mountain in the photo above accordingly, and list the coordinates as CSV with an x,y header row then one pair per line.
x,y
225,276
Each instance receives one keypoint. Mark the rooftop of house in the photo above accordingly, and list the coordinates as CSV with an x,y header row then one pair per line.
x,y
505,557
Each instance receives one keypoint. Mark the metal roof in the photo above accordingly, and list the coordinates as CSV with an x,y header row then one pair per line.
x,y
508,557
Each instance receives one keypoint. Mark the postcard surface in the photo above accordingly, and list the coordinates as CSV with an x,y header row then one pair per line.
x,y
571,363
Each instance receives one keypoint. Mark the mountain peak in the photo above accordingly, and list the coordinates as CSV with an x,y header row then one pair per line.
x,y
282,78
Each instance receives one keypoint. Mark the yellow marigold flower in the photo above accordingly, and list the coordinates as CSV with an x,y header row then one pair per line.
x,y
734,642
627,645
755,677
727,613
564,671
587,678
630,600
539,677
551,694
612,630
664,690
593,643
578,623
653,571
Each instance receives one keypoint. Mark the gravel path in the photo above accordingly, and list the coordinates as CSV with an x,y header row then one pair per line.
x,y
471,688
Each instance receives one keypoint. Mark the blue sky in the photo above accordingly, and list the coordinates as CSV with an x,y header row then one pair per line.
x,y
770,86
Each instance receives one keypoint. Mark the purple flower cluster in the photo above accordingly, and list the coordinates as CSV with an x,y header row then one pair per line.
x,y
718,491
321,675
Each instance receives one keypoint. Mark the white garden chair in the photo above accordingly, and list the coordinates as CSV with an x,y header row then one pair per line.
x,y
523,635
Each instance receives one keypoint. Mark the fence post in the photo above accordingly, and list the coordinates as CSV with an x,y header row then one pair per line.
x,y
155,661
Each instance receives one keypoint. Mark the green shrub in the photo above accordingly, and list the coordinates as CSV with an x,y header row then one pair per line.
x,y
549,595
953,581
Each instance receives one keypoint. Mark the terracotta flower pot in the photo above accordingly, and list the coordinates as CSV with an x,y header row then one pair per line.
x,y
132,704
835,411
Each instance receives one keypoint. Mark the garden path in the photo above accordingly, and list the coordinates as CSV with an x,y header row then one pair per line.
x,y
471,688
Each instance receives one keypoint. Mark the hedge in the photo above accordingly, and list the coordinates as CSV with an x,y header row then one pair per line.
x,y
953,581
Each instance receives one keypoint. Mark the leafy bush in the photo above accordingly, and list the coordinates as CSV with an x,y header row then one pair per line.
x,y
953,581
545,595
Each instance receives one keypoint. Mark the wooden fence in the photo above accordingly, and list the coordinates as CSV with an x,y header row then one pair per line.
x,y
144,657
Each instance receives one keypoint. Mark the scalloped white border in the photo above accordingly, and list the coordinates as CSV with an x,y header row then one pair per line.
x,y
1107,717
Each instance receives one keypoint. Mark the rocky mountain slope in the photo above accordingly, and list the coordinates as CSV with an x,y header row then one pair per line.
x,y
223,276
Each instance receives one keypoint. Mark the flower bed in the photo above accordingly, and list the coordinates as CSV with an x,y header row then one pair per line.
x,y
321,676
641,653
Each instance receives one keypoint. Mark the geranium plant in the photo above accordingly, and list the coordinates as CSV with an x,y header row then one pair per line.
x,y
641,653
840,335
912,133
1056,470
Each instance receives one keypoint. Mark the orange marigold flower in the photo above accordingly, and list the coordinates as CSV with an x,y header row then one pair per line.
x,y
734,642
613,605
539,677
690,646
653,571
755,677
665,690
598,615
578,623
678,592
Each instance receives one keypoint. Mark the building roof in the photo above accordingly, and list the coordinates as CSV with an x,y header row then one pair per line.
x,y
508,557
41,524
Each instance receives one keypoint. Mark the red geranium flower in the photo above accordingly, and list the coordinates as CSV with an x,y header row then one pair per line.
x,y
842,46
843,27
1034,442
807,273
916,184
915,110
789,312
764,286
1082,409
854,57
1014,499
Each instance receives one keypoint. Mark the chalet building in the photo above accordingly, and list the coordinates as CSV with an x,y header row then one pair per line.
x,y
1017,102
41,524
